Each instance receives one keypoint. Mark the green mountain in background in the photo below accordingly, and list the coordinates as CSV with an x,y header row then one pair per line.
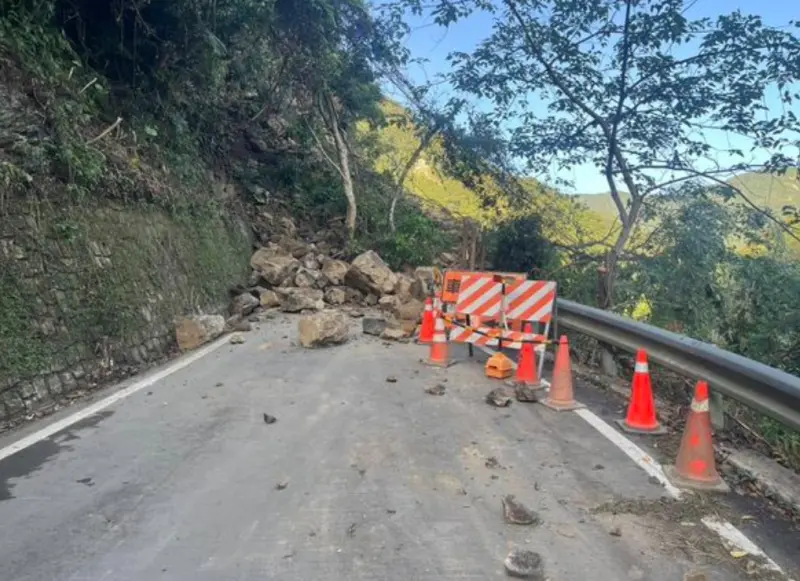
x,y
567,218
769,191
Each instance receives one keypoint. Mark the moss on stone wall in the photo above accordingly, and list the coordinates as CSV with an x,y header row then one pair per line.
x,y
90,287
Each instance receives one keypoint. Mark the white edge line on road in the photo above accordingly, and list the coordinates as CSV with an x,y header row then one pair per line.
x,y
739,540
724,529
66,422
634,452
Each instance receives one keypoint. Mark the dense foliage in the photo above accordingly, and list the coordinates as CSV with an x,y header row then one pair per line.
x,y
145,101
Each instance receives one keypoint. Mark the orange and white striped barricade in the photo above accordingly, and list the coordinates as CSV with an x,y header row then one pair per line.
x,y
485,300
451,288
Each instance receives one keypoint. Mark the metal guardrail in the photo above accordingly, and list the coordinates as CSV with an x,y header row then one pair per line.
x,y
769,390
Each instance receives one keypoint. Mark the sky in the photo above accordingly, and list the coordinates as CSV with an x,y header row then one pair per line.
x,y
430,42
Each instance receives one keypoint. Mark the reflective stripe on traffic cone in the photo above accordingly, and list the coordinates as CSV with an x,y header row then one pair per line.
x,y
641,418
561,397
695,466
428,324
438,353
526,367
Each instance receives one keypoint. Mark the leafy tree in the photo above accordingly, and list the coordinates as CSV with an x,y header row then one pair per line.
x,y
630,86
521,247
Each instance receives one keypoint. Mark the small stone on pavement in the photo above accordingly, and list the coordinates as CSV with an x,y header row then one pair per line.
x,y
524,564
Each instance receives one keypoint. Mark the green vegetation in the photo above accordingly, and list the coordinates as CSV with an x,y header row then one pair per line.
x,y
151,131
635,88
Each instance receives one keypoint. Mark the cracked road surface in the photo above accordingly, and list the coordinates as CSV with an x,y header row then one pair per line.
x,y
359,478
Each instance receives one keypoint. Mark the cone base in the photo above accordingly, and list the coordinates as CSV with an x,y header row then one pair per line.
x,y
443,365
659,430
682,482
561,406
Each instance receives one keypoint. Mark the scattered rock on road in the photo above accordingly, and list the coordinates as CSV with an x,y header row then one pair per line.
x,y
615,532
499,397
391,379
492,463
524,564
191,332
437,389
282,485
373,325
268,419
526,394
327,327
517,513
237,339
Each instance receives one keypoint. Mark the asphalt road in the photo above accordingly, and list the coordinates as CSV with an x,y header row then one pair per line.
x,y
360,478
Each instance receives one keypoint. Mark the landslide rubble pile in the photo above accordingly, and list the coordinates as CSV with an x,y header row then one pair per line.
x,y
296,276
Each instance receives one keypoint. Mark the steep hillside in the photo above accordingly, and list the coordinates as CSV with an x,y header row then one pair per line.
x,y
564,222
396,143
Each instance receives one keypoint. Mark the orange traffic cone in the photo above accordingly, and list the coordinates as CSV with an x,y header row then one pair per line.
x,y
526,367
641,418
560,397
438,353
695,466
428,323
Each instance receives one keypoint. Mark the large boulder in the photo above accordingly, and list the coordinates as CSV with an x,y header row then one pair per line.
x,y
327,327
388,303
411,310
370,273
310,262
306,278
191,332
262,255
244,304
423,282
301,299
403,288
294,247
335,270
397,330
335,295
268,298
373,325
353,295
273,267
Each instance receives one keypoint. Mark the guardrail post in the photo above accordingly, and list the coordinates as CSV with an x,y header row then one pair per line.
x,y
717,409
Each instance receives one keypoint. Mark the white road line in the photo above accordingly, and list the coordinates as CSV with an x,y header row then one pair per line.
x,y
738,539
56,427
634,452
724,529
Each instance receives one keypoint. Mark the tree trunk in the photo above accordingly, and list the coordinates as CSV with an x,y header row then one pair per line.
x,y
343,153
347,181
608,272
